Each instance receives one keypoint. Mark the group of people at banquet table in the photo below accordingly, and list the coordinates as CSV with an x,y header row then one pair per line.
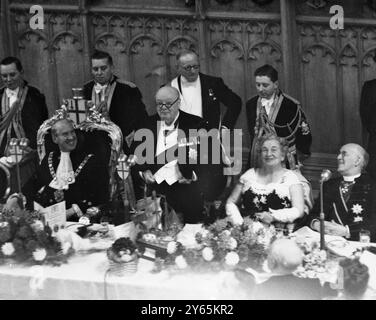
x,y
271,189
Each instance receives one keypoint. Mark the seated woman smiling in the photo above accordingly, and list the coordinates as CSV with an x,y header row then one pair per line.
x,y
270,193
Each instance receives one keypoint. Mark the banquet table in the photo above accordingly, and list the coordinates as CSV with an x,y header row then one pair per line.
x,y
87,276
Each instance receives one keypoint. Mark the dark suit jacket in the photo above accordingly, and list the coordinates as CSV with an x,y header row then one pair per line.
x,y
213,93
286,114
91,187
126,110
33,113
362,197
185,122
289,287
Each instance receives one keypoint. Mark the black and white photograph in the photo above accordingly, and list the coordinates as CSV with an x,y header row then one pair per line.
x,y
188,154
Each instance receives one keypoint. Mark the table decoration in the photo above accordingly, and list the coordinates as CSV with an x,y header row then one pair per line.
x,y
219,246
24,237
123,256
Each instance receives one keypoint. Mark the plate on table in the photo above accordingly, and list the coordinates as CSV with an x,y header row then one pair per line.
x,y
340,247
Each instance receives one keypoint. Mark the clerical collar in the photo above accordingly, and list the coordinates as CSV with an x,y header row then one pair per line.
x,y
351,178
187,83
172,125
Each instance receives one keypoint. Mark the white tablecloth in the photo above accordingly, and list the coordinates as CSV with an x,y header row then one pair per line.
x,y
84,278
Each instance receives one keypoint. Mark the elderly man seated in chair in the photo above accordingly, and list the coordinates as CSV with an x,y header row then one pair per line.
x,y
165,171
70,174
350,200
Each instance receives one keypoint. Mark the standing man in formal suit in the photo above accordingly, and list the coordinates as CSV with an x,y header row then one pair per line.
x,y
167,172
121,100
272,111
202,95
70,175
368,118
23,107
350,200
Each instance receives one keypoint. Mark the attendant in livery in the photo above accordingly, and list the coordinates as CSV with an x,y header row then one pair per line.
x,y
273,111
167,172
23,107
202,95
121,100
269,193
70,174
368,118
349,201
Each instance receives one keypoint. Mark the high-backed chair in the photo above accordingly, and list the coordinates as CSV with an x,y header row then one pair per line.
x,y
96,135
4,182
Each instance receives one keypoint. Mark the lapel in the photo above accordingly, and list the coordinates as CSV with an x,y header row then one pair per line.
x,y
204,95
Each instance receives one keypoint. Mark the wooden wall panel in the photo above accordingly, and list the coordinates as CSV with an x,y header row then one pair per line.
x,y
143,37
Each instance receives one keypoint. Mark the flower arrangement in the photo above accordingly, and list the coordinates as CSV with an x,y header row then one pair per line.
x,y
221,246
26,238
123,250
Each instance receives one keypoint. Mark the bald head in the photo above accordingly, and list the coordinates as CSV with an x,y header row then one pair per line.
x,y
352,159
284,256
168,103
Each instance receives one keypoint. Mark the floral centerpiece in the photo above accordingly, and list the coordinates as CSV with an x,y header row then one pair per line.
x,y
123,256
26,238
221,245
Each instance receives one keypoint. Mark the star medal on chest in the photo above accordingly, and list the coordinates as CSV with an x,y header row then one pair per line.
x,y
357,209
59,195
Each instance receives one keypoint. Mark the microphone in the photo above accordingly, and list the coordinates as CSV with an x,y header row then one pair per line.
x,y
325,175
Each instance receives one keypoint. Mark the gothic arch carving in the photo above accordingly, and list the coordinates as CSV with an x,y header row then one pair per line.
x,y
25,36
348,52
259,46
138,41
63,36
179,43
312,48
219,45
104,37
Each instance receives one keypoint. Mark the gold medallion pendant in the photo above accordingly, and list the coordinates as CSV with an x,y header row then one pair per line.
x,y
59,195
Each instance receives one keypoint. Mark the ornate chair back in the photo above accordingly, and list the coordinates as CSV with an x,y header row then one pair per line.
x,y
95,135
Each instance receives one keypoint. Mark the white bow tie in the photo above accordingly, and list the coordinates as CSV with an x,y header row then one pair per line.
x,y
98,87
11,93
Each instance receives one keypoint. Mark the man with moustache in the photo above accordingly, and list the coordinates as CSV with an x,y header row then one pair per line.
x,y
272,111
120,99
71,174
350,200
167,172
202,96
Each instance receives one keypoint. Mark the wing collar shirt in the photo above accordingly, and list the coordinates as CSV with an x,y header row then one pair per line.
x,y
191,100
167,137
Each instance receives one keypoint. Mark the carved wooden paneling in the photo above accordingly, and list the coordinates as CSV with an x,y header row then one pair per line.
x,y
233,40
